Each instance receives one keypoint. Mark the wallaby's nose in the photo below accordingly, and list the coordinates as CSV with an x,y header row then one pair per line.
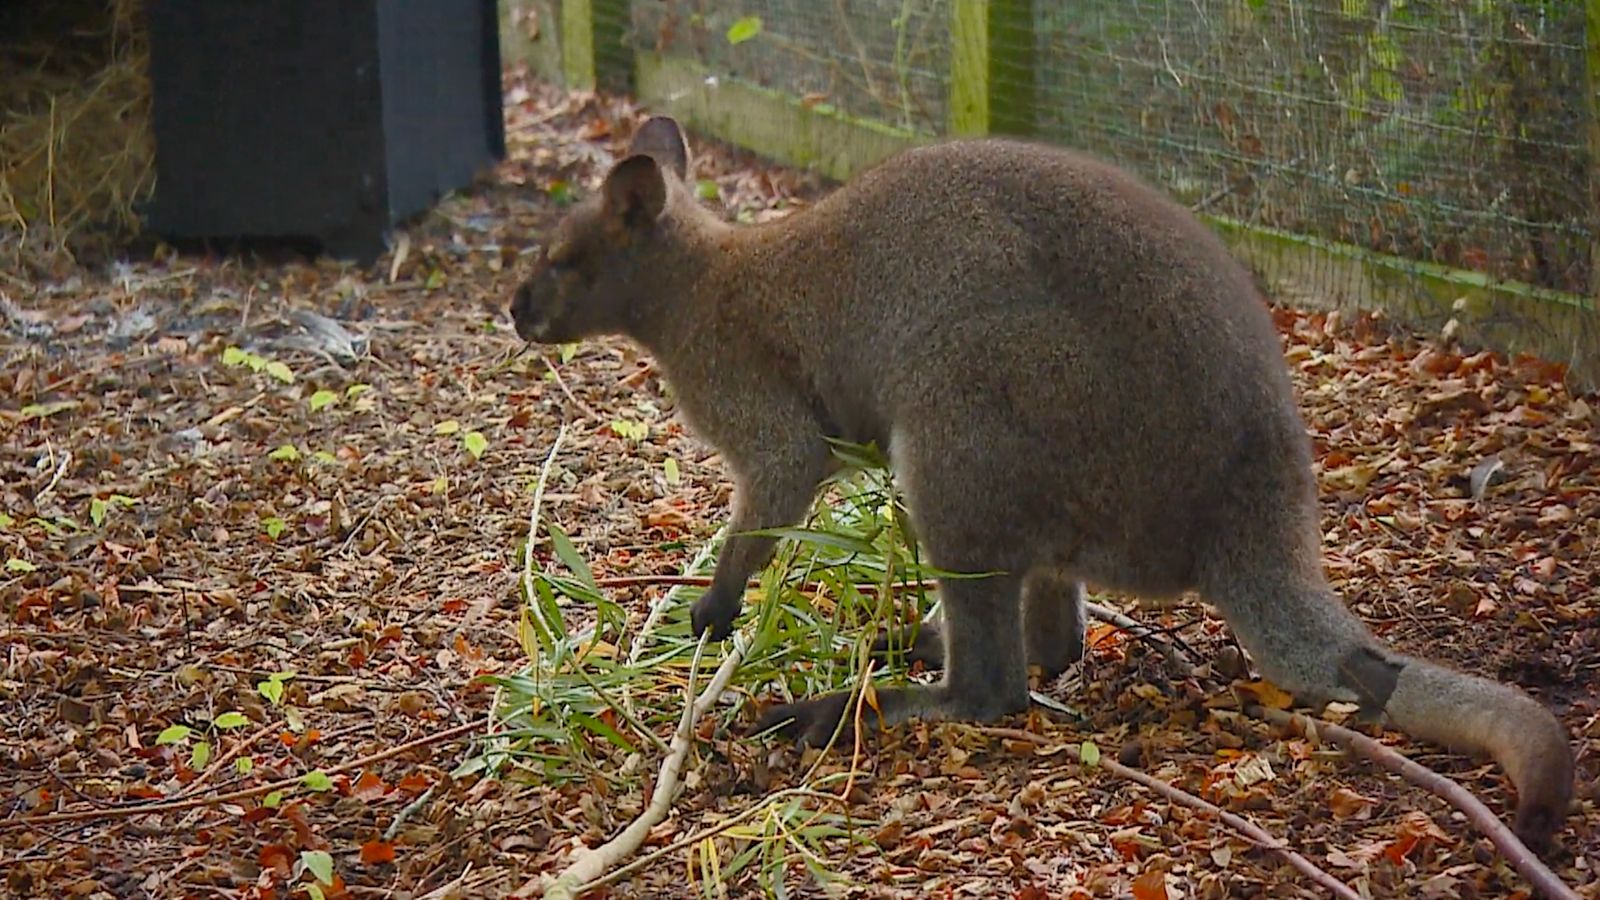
x,y
521,310
531,322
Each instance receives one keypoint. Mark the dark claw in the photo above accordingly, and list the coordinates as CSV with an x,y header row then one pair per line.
x,y
808,722
715,610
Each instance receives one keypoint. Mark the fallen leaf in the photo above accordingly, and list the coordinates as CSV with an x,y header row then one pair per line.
x,y
1152,885
375,852
1346,804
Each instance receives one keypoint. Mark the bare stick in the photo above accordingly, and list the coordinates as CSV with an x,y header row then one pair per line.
x,y
618,581
595,863
1481,817
55,479
1178,795
222,761
533,514
586,409
1169,649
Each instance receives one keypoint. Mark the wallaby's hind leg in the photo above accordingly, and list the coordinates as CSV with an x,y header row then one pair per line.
x,y
1053,613
1053,617
926,645
984,678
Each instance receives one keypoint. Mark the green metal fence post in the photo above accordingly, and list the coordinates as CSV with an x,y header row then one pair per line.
x,y
577,44
1591,67
991,67
613,57
594,51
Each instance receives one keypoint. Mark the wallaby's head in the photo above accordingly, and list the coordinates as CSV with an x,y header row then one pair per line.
x,y
606,260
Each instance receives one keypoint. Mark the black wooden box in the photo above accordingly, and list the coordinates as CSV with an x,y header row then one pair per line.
x,y
329,120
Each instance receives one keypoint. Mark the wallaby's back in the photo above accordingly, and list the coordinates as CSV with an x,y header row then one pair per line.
x,y
1086,330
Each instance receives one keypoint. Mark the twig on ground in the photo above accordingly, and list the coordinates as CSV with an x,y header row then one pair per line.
x,y
409,810
682,581
222,761
1177,795
582,407
1170,649
55,478
1481,817
245,794
594,864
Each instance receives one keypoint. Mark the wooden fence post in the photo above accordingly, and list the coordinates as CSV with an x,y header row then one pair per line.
x,y
992,76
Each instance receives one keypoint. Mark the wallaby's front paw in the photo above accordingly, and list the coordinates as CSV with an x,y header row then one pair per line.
x,y
810,723
715,610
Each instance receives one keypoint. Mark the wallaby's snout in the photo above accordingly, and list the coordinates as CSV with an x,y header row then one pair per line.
x,y
527,313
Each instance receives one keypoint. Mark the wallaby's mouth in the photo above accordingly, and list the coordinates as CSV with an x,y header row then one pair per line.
x,y
533,329
532,325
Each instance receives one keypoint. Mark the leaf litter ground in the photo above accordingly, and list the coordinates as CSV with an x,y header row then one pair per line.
x,y
217,470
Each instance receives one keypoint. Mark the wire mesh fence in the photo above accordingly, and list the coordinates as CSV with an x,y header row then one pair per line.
x,y
1452,132
1435,136
882,60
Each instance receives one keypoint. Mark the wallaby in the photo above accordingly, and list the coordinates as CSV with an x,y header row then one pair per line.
x,y
1074,382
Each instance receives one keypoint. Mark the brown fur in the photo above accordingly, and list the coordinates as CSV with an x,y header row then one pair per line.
x,y
1074,381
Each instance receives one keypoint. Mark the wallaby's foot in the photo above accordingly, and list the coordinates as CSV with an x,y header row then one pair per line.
x,y
812,722
926,648
715,610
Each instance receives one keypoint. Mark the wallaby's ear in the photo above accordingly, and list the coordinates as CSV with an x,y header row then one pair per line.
x,y
635,191
660,137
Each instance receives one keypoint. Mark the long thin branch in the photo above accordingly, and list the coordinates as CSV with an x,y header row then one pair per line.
x,y
582,407
222,761
1484,819
1170,649
595,863
119,812
1178,795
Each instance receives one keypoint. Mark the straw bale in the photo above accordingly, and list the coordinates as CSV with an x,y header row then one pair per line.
x,y
76,151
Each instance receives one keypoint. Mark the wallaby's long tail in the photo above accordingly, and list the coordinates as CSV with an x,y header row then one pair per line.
x,y
1469,713
1309,643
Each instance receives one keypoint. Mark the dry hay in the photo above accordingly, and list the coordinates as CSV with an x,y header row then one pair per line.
x,y
76,150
